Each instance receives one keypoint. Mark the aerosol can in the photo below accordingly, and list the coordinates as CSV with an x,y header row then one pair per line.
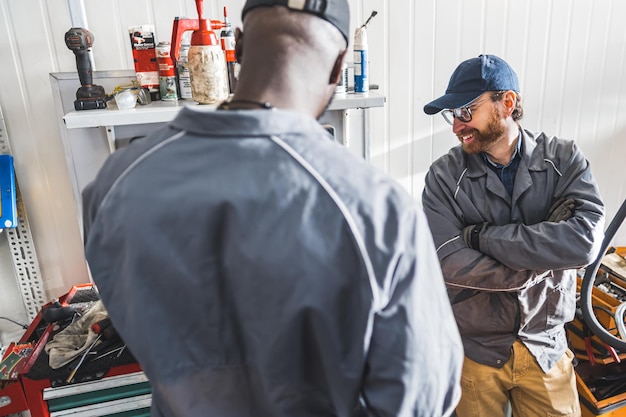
x,y
361,58
227,38
207,65
182,70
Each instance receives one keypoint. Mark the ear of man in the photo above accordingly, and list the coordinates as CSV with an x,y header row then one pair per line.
x,y
238,45
335,74
509,101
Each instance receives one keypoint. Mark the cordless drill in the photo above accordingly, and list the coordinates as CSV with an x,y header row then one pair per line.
x,y
88,96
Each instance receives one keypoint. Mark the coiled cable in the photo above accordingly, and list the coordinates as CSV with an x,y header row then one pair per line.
x,y
587,286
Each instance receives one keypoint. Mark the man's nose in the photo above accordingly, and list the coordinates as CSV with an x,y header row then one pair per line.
x,y
457,125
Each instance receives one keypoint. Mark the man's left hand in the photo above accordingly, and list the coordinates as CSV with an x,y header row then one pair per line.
x,y
470,236
561,210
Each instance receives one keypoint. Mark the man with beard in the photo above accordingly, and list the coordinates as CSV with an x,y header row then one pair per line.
x,y
254,266
513,214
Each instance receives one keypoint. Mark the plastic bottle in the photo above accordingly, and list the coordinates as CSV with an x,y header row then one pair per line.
x,y
361,63
207,65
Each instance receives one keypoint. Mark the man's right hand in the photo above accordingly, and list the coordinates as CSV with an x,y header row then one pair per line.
x,y
562,209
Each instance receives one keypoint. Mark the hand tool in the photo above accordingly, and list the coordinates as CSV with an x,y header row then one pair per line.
x,y
70,378
53,314
105,328
88,96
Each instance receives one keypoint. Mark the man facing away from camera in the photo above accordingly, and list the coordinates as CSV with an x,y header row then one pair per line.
x,y
255,267
513,214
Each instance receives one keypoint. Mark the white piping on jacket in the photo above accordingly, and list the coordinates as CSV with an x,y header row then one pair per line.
x,y
139,160
553,166
448,241
377,301
376,295
458,182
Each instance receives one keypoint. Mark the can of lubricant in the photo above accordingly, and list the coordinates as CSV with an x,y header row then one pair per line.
x,y
342,85
361,63
184,75
144,57
227,40
167,72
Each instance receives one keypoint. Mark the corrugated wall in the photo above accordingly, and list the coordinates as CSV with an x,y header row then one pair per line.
x,y
569,54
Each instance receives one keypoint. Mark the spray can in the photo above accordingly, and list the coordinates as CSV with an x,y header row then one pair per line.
x,y
361,63
361,58
227,38
182,68
144,56
167,73
342,85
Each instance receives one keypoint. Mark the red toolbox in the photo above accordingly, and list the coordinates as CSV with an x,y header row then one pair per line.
x,y
107,386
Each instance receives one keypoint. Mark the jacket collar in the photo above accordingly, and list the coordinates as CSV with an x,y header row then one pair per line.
x,y
242,123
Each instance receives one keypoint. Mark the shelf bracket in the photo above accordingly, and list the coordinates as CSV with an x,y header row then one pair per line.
x,y
110,130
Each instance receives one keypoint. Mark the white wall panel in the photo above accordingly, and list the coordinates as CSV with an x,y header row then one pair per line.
x,y
28,54
570,56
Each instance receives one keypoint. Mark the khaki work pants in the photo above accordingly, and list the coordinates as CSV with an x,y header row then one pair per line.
x,y
531,393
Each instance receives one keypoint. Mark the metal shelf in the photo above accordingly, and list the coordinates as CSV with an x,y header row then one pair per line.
x,y
164,111
89,136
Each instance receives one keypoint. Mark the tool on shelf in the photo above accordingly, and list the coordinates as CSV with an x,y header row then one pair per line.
x,y
89,96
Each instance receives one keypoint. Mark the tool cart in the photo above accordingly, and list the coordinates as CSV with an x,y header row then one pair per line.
x,y
98,382
598,333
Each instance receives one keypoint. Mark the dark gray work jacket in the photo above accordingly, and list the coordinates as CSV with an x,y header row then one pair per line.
x,y
522,283
257,268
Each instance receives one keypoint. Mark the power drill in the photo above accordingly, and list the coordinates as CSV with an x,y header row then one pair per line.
x,y
88,96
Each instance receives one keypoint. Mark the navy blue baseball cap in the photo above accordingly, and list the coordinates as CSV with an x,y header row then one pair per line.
x,y
472,78
337,12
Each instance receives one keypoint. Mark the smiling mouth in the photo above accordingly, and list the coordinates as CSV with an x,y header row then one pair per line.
x,y
466,138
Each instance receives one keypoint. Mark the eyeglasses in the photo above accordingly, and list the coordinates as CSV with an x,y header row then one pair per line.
x,y
464,113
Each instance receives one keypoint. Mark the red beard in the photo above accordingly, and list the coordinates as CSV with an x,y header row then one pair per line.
x,y
482,140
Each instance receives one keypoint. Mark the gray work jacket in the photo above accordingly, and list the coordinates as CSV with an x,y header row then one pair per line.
x,y
257,268
522,282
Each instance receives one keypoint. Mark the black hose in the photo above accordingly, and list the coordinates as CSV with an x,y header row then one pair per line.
x,y
23,326
587,285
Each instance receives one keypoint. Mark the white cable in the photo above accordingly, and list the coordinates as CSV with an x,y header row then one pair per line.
x,y
619,320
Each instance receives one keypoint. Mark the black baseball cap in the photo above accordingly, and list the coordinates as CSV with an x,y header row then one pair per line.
x,y
336,12
472,78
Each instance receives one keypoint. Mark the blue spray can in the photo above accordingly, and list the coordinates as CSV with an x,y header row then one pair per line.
x,y
361,58
361,61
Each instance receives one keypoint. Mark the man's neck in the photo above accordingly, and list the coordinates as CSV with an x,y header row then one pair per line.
x,y
505,148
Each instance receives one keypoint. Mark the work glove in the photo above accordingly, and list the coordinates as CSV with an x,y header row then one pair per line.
x,y
562,209
471,236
